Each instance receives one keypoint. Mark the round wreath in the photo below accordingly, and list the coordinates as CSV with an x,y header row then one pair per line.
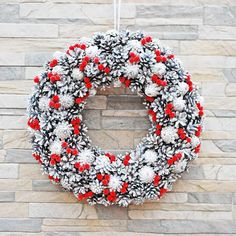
x,y
58,133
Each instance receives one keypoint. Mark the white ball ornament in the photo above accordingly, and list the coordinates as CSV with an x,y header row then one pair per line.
x,y
132,71
66,100
44,103
150,156
77,74
55,147
62,130
159,69
115,182
183,88
169,134
86,156
146,174
179,104
152,90
180,166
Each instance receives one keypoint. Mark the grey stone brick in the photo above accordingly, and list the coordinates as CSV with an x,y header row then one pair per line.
x,y
112,212
125,102
37,58
7,10
230,75
182,226
21,225
92,118
45,185
220,15
12,73
7,196
226,145
19,156
150,11
9,171
212,198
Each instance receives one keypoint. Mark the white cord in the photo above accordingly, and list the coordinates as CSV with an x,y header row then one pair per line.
x,y
116,10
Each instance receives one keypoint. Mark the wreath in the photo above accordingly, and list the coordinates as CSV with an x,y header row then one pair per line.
x,y
59,135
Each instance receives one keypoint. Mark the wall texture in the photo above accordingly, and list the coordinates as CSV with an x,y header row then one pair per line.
x,y
203,34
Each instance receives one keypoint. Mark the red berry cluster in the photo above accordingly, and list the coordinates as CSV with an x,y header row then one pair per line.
x,y
112,157
197,149
198,131
54,179
183,136
162,191
126,159
125,81
53,77
84,63
37,158
152,114
82,167
54,102
73,47
104,178
190,83
54,159
146,40
158,81
124,187
175,158
85,195
158,129
76,123
159,57
53,63
149,99
169,110
200,108
81,99
34,124
156,180
133,58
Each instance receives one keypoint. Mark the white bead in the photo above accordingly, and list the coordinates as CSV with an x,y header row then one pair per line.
x,y
146,174
169,134
150,156
152,90
77,74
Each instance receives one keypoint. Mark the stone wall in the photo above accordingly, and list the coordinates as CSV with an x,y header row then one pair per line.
x,y
203,34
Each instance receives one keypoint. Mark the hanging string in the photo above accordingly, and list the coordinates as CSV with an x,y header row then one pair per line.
x,y
117,9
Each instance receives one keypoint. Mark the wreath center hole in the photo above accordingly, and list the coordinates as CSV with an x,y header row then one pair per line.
x,y
116,119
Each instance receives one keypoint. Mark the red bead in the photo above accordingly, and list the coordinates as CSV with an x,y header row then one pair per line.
x,y
99,176
149,39
101,67
55,98
106,191
88,85
96,60
83,46
87,58
86,166
57,105
74,152
77,165
106,70
105,182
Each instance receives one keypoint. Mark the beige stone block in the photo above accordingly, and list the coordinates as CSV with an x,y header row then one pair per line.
x,y
62,210
31,171
213,89
208,47
96,102
16,86
16,139
207,75
180,215
220,103
220,124
10,58
219,135
92,225
15,210
8,171
38,196
13,122
13,101
31,72
15,184
125,113
204,186
28,30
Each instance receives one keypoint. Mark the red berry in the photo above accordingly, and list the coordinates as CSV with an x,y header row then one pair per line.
x,y
158,58
74,152
106,70
36,79
149,39
122,79
64,144
127,83
96,60
105,182
106,191
86,166
132,54
57,105
86,79
101,67
126,162
55,98
77,165
81,168
88,85
83,46
143,41
87,58
157,52
53,63
99,176
52,162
